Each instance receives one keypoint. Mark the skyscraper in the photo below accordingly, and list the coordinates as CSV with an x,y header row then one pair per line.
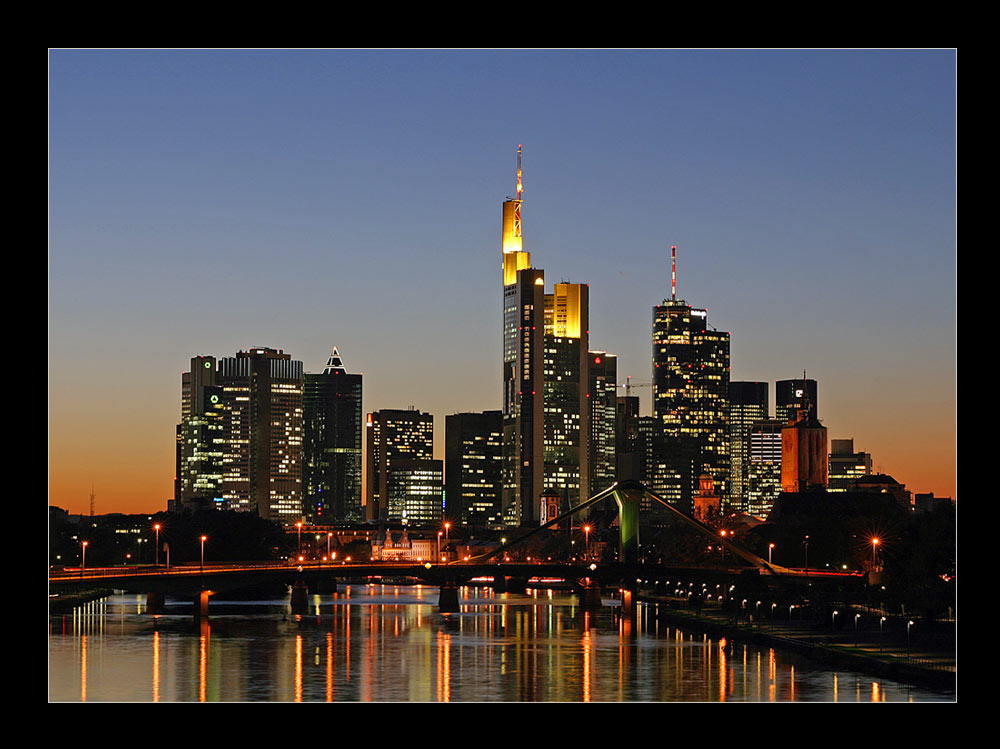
x,y
523,396
404,482
763,482
332,427
523,332
748,405
547,408
791,396
262,389
603,396
691,391
472,465
566,403
201,438
240,438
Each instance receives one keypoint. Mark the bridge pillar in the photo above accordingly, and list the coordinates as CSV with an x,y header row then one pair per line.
x,y
628,496
628,602
300,597
590,594
201,605
448,598
155,603
516,584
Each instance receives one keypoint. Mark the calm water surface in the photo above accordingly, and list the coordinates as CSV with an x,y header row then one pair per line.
x,y
389,643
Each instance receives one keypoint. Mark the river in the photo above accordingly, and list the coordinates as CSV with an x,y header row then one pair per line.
x,y
386,643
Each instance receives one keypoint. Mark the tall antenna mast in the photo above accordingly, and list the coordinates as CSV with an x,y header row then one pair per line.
x,y
673,272
91,500
520,189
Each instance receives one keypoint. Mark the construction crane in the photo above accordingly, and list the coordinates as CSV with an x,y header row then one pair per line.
x,y
628,385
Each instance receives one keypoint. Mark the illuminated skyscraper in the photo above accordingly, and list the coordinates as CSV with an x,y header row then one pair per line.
x,y
262,389
241,434
523,332
200,438
566,404
748,404
404,482
547,408
691,392
523,415
763,482
332,426
473,460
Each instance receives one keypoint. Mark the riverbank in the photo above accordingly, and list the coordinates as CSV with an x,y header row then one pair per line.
x,y
922,667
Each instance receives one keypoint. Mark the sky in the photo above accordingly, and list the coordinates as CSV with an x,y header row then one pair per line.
x,y
203,202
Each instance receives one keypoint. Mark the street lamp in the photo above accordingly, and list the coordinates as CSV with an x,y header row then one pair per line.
x,y
298,526
447,527
770,548
440,533
83,564
328,537
203,539
875,543
586,535
806,544
157,529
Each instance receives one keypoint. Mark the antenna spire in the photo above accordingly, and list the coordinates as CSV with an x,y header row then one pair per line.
x,y
673,272
520,187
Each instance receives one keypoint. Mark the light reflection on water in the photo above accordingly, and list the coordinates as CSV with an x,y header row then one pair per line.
x,y
390,643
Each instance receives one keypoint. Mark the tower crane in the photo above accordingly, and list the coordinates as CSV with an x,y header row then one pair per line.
x,y
628,385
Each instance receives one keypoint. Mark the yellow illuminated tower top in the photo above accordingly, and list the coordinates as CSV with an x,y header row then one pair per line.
x,y
514,257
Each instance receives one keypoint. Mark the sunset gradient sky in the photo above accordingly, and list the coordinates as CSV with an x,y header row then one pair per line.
x,y
204,202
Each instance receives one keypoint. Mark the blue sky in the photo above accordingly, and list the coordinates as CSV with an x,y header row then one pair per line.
x,y
202,202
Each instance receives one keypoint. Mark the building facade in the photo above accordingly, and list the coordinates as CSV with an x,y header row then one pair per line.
x,y
246,411
748,404
763,483
403,483
332,428
691,396
847,466
473,463
804,457
603,396
792,396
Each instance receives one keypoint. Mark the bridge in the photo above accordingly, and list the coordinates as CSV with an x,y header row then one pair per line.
x,y
587,579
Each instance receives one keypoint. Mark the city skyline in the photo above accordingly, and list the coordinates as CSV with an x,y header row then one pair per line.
x,y
811,195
